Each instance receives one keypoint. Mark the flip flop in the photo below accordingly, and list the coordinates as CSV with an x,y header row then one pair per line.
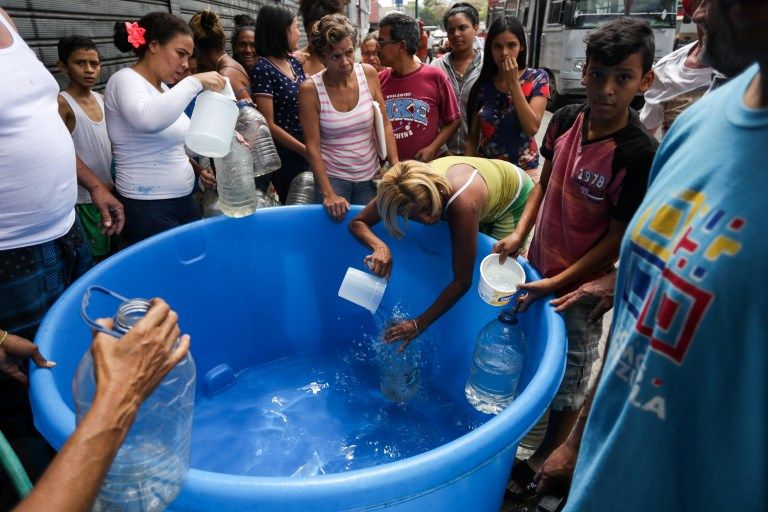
x,y
522,474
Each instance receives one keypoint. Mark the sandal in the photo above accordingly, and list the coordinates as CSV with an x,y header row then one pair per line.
x,y
522,474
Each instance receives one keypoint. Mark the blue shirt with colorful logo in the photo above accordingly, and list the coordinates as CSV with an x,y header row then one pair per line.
x,y
680,418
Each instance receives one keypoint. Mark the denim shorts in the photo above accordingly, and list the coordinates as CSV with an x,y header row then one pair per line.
x,y
356,192
583,341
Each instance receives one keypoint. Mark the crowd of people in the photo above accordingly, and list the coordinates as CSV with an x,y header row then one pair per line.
x,y
677,420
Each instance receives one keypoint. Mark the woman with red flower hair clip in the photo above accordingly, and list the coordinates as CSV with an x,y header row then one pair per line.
x,y
147,124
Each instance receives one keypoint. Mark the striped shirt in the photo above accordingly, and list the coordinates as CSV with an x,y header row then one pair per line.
x,y
592,182
347,138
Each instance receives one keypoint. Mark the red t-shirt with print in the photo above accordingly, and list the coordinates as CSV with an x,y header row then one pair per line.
x,y
592,182
418,105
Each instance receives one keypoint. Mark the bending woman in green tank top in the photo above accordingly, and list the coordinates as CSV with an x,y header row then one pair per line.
x,y
471,194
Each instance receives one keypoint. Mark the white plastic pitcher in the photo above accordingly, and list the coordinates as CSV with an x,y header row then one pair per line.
x,y
363,289
498,283
213,122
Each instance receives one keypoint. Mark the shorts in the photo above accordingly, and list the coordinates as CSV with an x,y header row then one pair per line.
x,y
583,341
32,278
506,223
90,217
356,192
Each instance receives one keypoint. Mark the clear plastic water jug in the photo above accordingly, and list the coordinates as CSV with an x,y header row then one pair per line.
x,y
149,469
213,123
234,181
399,372
496,364
264,200
302,189
254,129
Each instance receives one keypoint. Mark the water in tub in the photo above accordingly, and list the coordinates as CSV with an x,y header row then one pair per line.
x,y
312,414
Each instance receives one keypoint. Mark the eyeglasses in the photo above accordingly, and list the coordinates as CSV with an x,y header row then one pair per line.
x,y
382,42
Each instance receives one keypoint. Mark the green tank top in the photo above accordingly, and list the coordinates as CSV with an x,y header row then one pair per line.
x,y
504,180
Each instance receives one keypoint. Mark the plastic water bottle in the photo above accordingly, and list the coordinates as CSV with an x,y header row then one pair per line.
x,y
149,469
234,182
496,364
252,125
302,189
399,372
264,200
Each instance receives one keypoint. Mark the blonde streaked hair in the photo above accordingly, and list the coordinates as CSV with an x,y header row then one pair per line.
x,y
403,188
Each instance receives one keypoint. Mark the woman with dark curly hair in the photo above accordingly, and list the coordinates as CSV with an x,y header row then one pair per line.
x,y
244,41
336,113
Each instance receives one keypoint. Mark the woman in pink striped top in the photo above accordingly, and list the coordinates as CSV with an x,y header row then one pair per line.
x,y
336,114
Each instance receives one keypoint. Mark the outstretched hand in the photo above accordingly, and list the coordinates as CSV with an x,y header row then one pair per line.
x,y
600,291
14,350
509,246
406,330
535,290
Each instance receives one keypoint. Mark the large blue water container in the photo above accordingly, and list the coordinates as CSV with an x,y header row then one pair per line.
x,y
231,278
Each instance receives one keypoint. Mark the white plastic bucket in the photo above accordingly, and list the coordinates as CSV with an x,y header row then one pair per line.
x,y
212,125
363,289
498,283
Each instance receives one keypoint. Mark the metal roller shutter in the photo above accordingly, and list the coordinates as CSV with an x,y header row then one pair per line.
x,y
42,22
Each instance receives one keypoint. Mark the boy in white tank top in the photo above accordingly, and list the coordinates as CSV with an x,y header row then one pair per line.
x,y
83,113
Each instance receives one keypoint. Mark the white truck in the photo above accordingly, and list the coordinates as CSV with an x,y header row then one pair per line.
x,y
556,30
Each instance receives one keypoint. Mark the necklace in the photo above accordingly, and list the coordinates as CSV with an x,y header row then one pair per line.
x,y
219,59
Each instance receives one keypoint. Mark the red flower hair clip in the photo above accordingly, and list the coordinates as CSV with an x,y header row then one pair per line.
x,y
135,34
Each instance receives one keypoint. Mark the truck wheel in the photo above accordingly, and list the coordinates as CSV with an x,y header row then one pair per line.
x,y
555,100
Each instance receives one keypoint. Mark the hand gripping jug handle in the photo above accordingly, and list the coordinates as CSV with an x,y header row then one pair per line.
x,y
86,302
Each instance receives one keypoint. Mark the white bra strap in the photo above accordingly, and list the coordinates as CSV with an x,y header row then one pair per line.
x,y
463,187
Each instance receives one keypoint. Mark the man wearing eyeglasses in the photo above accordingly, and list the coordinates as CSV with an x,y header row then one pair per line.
x,y
420,100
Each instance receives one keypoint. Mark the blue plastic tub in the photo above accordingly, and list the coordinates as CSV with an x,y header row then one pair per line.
x,y
275,275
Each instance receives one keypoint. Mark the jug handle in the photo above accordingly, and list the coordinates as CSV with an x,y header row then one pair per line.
x,y
84,309
227,90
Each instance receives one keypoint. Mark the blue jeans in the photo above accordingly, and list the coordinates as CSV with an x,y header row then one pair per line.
x,y
356,192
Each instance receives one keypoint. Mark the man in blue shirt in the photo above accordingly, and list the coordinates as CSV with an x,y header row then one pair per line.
x,y
680,415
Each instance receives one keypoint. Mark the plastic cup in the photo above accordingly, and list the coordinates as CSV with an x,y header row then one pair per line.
x,y
498,283
212,125
363,289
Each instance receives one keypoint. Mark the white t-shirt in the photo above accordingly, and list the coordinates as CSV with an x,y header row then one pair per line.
x,y
147,129
38,182
674,89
